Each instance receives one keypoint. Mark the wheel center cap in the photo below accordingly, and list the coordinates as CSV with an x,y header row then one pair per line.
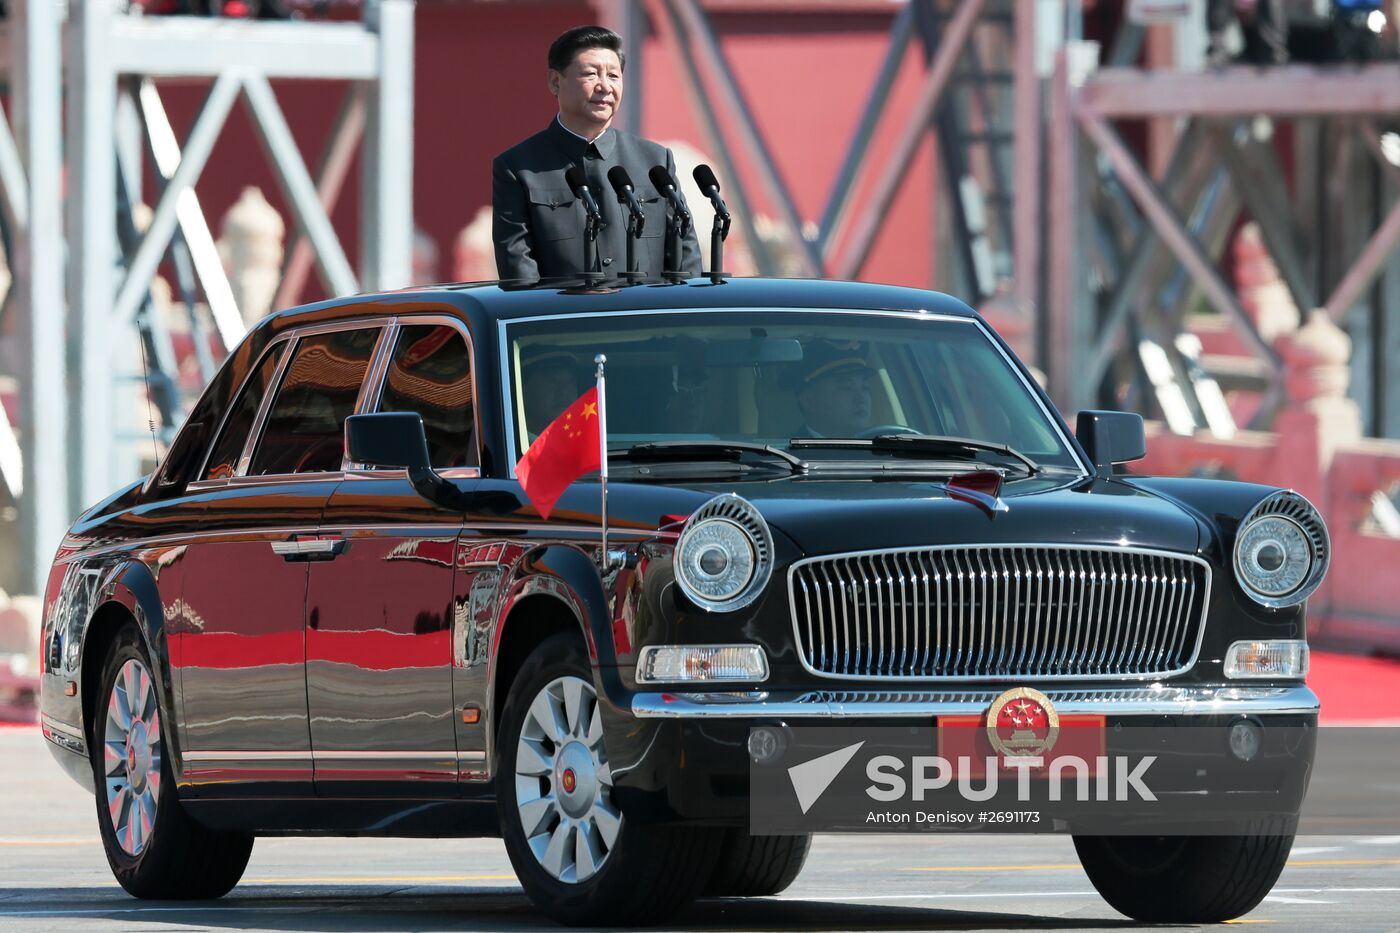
x,y
138,755
576,778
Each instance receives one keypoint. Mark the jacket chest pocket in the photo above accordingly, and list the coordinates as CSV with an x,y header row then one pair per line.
x,y
556,214
655,209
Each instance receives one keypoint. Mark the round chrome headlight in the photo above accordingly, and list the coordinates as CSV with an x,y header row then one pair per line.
x,y
725,554
1281,551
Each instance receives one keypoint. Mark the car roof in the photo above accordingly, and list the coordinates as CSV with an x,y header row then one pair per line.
x,y
505,301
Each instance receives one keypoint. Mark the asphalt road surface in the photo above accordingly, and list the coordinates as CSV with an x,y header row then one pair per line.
x,y
53,877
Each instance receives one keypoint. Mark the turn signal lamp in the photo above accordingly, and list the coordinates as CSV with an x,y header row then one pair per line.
x,y
708,664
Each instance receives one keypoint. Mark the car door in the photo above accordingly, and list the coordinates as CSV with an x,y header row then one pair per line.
x,y
268,476
380,614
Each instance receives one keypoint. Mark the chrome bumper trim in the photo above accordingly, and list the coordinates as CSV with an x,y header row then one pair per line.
x,y
63,735
1136,701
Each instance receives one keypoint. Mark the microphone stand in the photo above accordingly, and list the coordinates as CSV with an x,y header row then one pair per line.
x,y
591,274
718,232
675,234
634,231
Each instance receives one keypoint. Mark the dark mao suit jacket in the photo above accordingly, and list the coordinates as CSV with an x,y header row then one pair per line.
x,y
537,223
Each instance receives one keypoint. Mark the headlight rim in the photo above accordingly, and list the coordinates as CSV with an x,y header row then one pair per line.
x,y
1289,506
738,511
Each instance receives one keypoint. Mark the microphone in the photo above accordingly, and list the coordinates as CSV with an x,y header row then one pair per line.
x,y
622,184
579,186
665,183
709,186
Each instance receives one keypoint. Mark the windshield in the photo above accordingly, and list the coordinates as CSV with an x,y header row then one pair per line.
x,y
769,377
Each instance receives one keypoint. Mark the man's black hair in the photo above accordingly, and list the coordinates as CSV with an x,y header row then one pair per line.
x,y
573,41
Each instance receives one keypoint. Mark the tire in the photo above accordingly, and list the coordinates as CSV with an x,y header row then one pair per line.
x,y
630,873
1183,879
757,866
166,855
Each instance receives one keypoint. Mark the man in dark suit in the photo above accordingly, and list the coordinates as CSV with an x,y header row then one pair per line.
x,y
537,223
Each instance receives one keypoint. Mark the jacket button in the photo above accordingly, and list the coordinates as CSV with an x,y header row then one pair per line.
x,y
607,262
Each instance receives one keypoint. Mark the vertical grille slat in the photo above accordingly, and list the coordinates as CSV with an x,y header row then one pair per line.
x,y
999,611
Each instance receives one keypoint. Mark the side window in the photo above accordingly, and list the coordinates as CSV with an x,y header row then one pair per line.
x,y
223,458
304,430
430,373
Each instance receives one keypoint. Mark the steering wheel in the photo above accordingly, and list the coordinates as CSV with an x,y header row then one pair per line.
x,y
314,452
887,429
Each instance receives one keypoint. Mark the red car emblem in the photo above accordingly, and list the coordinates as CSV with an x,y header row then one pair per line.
x,y
569,780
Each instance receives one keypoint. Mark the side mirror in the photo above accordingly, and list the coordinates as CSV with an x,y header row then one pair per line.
x,y
1111,437
389,439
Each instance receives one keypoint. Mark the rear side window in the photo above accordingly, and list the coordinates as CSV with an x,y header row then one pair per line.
x,y
304,431
223,458
430,373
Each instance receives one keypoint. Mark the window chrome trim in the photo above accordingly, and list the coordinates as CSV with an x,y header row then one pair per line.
x,y
228,412
983,678
507,396
379,376
300,333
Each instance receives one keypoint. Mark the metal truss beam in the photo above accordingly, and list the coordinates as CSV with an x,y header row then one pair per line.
x,y
712,62
331,172
1173,232
206,47
297,186
867,224
196,152
1294,90
204,254
36,80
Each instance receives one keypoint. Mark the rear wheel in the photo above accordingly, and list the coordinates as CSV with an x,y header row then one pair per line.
x,y
154,848
757,866
578,859
1183,879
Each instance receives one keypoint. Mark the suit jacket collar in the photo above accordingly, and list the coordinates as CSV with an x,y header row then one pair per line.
x,y
576,146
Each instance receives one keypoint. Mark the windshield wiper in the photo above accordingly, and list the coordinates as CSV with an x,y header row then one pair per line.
x,y
706,450
931,443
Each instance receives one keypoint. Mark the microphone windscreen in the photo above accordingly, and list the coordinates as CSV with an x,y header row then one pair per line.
x,y
619,179
575,179
661,178
705,178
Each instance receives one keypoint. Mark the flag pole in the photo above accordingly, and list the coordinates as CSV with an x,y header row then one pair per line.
x,y
600,359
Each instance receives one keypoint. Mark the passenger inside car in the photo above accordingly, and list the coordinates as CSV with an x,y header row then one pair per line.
x,y
833,389
549,385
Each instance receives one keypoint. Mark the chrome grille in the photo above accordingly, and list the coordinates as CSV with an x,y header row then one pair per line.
x,y
999,611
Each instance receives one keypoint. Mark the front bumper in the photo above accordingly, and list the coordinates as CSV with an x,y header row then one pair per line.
x,y
685,755
1156,700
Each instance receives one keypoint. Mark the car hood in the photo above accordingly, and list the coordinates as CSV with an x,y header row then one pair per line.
x,y
824,516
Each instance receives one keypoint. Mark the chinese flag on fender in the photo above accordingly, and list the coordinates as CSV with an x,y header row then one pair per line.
x,y
563,452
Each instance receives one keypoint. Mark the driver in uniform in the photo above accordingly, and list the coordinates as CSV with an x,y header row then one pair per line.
x,y
833,388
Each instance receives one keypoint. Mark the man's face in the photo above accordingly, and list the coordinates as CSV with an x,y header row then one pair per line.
x,y
590,89
838,405
547,391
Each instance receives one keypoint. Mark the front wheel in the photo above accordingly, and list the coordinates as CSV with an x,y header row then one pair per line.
x,y
757,866
1183,879
578,859
154,848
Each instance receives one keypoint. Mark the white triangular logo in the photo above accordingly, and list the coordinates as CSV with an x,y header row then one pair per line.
x,y
811,778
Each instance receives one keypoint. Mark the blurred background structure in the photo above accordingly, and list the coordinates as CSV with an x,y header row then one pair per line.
x,y
1177,207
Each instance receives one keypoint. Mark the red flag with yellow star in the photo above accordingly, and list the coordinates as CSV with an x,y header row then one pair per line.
x,y
563,452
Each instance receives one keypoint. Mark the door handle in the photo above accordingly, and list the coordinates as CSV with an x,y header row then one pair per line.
x,y
309,547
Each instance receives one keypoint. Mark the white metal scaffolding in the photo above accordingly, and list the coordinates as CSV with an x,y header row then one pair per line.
x,y
71,433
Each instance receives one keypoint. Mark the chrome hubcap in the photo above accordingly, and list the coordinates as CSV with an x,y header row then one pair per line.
x,y
131,757
563,786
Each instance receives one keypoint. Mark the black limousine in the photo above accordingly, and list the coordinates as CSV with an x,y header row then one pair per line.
x,y
331,609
